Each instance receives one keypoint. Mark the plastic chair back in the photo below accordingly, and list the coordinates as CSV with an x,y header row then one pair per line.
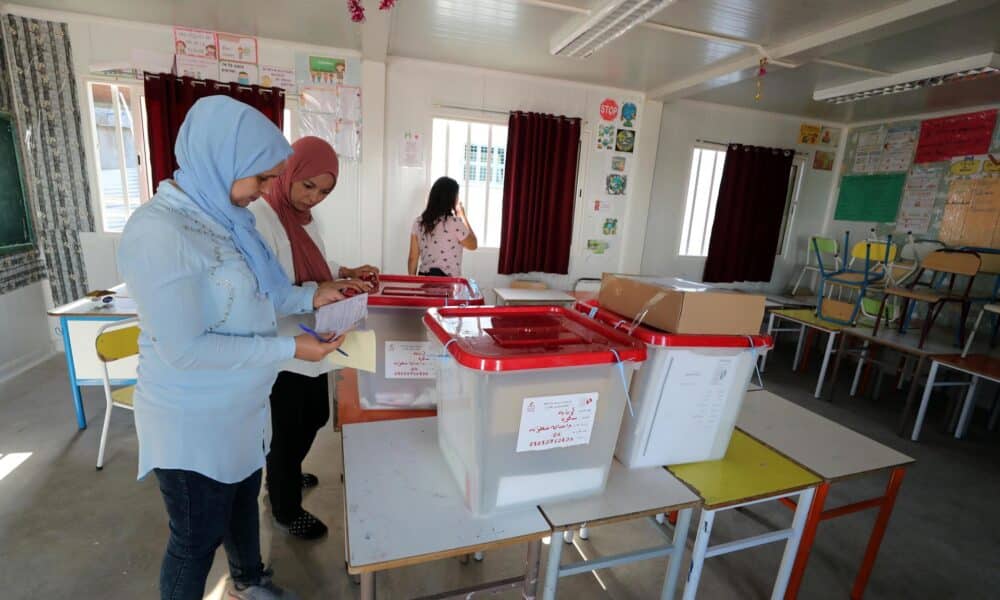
x,y
825,245
115,344
880,251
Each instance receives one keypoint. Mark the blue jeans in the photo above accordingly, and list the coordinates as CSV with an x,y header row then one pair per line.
x,y
203,514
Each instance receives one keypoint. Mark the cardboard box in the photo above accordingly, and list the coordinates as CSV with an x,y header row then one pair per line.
x,y
680,306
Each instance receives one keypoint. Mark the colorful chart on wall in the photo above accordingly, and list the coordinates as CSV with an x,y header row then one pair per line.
x,y
958,135
238,48
972,214
280,77
869,198
897,151
917,207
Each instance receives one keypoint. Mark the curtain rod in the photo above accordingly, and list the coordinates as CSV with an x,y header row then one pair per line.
x,y
469,108
219,84
700,141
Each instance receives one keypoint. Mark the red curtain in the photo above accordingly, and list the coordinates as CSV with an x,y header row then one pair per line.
x,y
539,192
748,214
168,99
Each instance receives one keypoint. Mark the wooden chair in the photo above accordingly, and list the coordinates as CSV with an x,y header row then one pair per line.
x,y
941,263
115,341
875,254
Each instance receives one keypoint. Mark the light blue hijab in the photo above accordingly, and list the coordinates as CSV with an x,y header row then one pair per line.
x,y
220,141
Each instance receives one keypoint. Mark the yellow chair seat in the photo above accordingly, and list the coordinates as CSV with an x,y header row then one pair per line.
x,y
123,396
918,295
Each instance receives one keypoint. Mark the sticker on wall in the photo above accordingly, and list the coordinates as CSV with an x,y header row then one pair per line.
x,y
609,109
197,67
411,151
618,163
829,136
965,166
278,77
238,48
606,137
615,184
629,114
625,140
809,134
597,246
602,206
610,226
241,73
823,161
195,42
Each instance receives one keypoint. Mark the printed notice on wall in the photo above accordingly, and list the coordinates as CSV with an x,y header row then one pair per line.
x,y
556,421
408,360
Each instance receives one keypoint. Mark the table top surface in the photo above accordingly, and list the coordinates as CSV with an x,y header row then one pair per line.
x,y
749,471
630,493
981,365
123,306
349,409
807,317
826,448
772,301
403,506
940,341
532,295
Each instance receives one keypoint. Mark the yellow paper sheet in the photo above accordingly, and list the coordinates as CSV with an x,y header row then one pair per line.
x,y
360,349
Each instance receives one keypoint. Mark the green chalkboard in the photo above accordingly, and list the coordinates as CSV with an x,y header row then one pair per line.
x,y
15,223
870,197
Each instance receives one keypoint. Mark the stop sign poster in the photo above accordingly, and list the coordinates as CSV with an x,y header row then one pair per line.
x,y
609,109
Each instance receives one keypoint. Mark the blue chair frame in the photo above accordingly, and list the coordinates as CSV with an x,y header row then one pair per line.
x,y
847,276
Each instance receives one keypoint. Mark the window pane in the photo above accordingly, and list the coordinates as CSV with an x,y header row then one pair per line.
x,y
475,203
699,210
439,149
131,154
109,159
458,136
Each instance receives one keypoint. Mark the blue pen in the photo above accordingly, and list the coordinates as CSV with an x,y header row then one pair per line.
x,y
319,337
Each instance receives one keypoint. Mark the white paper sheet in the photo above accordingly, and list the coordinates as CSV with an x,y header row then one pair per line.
x,y
549,422
342,316
408,360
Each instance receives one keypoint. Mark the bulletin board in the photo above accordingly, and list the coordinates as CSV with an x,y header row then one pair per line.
x,y
869,197
938,160
15,223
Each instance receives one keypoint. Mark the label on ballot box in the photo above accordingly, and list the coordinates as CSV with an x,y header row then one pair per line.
x,y
408,360
556,421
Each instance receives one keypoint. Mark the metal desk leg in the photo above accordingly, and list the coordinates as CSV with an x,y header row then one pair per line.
x,y
698,553
677,556
878,532
861,366
970,402
841,350
774,339
792,545
81,415
911,397
368,586
531,563
798,347
924,401
552,569
831,337
805,545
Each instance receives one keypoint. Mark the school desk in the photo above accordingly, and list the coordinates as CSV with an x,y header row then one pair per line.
x,y
630,494
977,367
806,324
834,453
529,297
939,343
750,473
79,322
403,508
349,404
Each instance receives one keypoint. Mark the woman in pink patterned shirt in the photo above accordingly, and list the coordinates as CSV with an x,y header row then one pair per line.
x,y
440,233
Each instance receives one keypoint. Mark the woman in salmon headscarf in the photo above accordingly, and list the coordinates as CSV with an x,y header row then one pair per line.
x,y
300,396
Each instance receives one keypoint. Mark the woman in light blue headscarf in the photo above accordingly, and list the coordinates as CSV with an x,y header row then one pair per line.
x,y
209,292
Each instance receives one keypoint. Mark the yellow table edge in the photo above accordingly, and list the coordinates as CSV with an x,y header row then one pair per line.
x,y
807,316
750,470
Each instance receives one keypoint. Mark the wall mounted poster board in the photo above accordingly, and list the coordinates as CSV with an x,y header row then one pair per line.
x,y
972,214
870,197
15,223
958,135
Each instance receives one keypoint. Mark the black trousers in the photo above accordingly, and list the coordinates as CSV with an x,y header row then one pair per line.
x,y
300,405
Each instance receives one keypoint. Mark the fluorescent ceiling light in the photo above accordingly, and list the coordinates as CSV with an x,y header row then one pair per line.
x,y
964,69
607,21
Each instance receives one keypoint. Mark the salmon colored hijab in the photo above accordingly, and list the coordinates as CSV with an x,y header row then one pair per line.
x,y
311,156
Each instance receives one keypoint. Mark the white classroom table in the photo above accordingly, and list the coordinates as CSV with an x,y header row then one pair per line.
x,y
530,297
79,322
977,367
403,507
630,494
804,320
833,452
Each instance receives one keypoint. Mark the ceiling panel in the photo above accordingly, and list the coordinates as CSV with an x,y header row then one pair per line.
x,y
789,91
320,22
513,36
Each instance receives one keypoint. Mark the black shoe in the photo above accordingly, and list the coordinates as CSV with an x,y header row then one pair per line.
x,y
309,481
305,526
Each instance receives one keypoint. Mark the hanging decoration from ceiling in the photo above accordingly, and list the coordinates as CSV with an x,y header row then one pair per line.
x,y
761,72
357,10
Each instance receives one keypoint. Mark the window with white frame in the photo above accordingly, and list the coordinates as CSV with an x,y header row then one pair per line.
x,y
707,163
474,154
120,150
